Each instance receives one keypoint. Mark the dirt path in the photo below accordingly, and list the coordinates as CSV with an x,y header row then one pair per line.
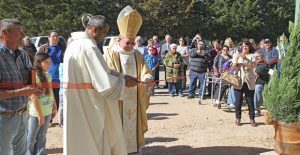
x,y
180,126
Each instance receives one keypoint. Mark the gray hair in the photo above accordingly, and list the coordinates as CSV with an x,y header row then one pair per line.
x,y
173,46
89,21
7,24
139,38
227,40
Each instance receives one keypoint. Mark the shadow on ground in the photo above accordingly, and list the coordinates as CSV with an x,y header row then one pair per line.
x,y
214,150
54,150
159,139
159,103
160,116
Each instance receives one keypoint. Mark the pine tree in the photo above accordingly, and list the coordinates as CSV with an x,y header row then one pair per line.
x,y
282,96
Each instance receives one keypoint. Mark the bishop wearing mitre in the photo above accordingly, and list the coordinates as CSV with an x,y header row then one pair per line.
x,y
122,57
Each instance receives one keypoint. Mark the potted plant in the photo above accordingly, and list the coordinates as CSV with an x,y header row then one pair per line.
x,y
282,98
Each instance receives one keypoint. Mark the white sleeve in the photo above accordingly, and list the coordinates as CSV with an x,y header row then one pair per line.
x,y
109,86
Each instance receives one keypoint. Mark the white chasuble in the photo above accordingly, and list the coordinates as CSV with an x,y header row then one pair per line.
x,y
129,106
92,125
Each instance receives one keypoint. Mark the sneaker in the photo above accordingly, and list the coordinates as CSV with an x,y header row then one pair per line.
x,y
199,102
216,103
180,95
171,95
257,113
51,125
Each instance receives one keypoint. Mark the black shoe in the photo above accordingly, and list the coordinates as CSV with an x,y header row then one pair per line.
x,y
190,96
238,122
165,86
253,124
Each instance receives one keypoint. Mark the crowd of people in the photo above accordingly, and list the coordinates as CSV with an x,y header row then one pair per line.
x,y
253,63
109,115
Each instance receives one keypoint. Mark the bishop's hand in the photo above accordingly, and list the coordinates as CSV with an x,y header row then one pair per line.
x,y
131,81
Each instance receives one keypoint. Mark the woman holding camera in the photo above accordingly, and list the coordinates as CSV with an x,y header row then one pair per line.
x,y
246,61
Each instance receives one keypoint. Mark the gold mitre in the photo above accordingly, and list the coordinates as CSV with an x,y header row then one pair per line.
x,y
129,22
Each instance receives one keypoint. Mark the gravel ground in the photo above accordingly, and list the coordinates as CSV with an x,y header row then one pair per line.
x,y
180,126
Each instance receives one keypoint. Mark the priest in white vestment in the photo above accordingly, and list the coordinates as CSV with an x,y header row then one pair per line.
x,y
122,57
92,123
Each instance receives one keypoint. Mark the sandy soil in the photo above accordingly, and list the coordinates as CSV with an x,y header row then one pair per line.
x,y
179,126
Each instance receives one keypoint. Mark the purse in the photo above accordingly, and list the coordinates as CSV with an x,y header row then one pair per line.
x,y
233,79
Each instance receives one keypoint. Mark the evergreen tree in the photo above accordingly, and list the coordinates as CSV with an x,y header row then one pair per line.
x,y
282,96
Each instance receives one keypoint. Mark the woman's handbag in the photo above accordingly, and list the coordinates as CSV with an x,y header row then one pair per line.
x,y
233,79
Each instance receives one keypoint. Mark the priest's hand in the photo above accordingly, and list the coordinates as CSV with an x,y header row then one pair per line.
x,y
131,81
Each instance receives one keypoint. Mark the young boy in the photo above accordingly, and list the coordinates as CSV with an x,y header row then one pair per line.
x,y
152,61
262,73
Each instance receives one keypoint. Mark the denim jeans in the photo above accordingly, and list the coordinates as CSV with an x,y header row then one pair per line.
x,y
258,96
156,77
193,83
13,132
60,110
278,69
183,74
174,88
36,139
231,98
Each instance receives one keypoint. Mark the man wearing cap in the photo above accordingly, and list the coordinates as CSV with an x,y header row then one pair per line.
x,y
270,54
92,125
122,57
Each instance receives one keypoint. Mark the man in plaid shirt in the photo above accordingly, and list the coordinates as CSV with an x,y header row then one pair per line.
x,y
13,91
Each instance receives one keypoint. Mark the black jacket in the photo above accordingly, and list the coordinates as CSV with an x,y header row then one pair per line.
x,y
262,69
